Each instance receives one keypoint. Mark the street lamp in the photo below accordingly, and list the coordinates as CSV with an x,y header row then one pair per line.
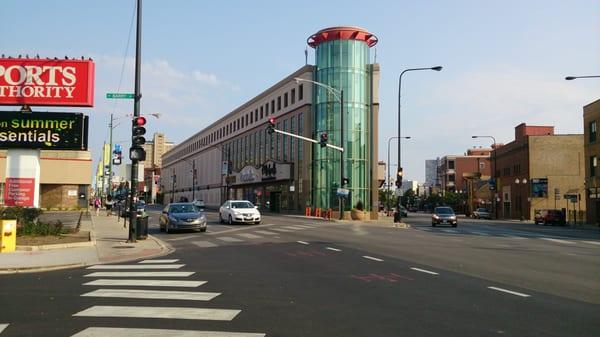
x,y
522,181
570,78
388,172
436,68
339,94
495,148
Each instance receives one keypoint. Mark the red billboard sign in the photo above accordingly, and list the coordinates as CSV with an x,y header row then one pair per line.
x,y
46,82
19,192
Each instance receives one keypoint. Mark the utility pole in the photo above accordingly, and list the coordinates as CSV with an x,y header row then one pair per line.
x,y
110,141
193,179
342,152
136,113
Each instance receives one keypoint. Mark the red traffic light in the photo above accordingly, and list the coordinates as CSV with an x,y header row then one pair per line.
x,y
140,121
272,121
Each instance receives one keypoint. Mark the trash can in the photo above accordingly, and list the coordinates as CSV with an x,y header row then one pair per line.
x,y
8,236
141,227
396,217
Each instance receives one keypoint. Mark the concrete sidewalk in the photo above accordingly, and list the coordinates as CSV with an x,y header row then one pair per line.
x,y
108,244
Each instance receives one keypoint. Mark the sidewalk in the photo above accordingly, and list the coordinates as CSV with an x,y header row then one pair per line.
x,y
108,244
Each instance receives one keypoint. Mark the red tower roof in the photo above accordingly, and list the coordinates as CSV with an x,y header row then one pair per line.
x,y
342,33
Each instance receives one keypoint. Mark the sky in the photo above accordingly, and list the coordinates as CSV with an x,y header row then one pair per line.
x,y
504,62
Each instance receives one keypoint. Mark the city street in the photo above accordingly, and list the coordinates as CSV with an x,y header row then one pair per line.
x,y
295,276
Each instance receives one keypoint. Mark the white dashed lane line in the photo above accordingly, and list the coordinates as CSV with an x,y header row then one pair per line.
x,y
303,242
334,249
372,258
509,291
424,271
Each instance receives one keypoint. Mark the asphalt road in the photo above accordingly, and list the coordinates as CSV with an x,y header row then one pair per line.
x,y
292,276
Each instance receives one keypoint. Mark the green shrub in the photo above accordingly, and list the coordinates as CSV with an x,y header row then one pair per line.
x,y
22,214
359,205
40,229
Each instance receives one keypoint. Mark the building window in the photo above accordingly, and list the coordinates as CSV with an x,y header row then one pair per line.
x,y
593,165
285,100
285,150
251,117
277,147
272,106
451,164
256,115
506,171
451,177
300,92
292,130
293,96
267,109
593,131
261,112
278,103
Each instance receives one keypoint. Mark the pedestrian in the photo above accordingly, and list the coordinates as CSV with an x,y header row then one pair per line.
x,y
109,205
97,204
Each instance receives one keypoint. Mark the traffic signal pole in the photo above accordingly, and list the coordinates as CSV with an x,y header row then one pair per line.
x,y
110,141
136,113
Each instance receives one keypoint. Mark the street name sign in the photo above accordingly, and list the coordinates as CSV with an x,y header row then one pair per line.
x,y
117,95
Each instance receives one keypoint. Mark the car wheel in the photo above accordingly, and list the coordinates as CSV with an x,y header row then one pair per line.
x,y
230,220
220,218
433,224
203,229
454,225
257,223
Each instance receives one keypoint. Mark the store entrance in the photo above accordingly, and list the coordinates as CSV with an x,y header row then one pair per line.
x,y
275,202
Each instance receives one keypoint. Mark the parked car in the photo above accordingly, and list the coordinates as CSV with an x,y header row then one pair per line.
x,y
182,215
200,204
241,211
443,215
122,207
549,216
482,213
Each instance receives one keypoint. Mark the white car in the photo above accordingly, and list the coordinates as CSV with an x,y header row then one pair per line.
x,y
241,211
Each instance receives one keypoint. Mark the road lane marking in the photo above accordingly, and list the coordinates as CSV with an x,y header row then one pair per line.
x,y
334,249
159,312
592,242
145,283
372,258
293,227
303,242
280,230
138,332
183,238
303,226
136,266
309,225
2,327
140,274
509,292
229,239
153,294
424,271
265,232
204,244
160,261
249,236
559,241
480,233
449,231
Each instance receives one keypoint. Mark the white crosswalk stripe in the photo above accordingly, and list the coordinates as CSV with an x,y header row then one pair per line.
x,y
182,238
265,232
136,266
136,332
249,236
153,294
592,242
559,241
144,283
449,231
293,227
280,230
2,327
204,244
159,261
303,226
479,233
159,312
229,239
140,274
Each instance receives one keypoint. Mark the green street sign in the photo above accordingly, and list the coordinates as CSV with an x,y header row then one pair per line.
x,y
119,95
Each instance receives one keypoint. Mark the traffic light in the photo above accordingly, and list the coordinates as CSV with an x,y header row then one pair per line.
x,y
271,125
324,139
399,178
492,184
345,182
137,139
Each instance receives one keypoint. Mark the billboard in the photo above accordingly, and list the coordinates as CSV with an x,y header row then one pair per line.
x,y
19,192
43,130
46,82
539,187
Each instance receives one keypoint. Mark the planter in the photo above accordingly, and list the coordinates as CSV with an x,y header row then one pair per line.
x,y
357,215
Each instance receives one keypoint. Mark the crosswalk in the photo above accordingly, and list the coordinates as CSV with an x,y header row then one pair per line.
x,y
512,234
233,237
181,304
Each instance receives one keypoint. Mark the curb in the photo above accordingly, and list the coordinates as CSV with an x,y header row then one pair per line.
x,y
42,268
165,249
56,246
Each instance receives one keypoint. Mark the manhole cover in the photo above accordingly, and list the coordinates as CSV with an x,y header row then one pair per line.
x,y
120,247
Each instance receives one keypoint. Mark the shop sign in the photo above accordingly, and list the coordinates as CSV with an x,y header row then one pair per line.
x,y
274,171
19,192
249,174
539,187
43,130
46,82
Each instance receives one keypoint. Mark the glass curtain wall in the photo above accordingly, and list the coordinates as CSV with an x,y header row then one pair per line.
x,y
343,65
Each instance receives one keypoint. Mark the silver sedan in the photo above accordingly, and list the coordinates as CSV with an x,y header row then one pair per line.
x,y
182,215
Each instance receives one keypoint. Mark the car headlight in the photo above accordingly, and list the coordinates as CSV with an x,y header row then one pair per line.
x,y
436,217
453,217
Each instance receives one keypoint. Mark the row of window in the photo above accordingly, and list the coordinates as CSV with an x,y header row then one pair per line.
x,y
250,118
506,172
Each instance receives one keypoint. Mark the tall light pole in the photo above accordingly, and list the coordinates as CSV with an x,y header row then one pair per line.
x,y
570,78
388,172
339,94
495,148
399,173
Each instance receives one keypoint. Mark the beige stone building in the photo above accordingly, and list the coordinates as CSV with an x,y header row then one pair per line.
x,y
65,178
591,119
155,149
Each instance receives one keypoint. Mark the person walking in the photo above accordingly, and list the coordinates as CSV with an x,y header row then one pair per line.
x,y
109,205
97,204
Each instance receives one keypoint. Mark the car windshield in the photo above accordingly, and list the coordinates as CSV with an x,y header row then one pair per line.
x,y
444,210
241,204
187,208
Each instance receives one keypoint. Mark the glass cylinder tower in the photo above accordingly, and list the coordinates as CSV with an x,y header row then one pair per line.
x,y
342,63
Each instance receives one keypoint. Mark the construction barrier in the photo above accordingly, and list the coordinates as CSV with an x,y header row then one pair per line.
x,y
329,214
318,212
307,211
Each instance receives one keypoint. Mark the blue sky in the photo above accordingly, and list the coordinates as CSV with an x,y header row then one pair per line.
x,y
504,62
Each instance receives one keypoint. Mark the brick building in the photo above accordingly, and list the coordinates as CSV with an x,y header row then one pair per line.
x,y
454,170
591,118
536,170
